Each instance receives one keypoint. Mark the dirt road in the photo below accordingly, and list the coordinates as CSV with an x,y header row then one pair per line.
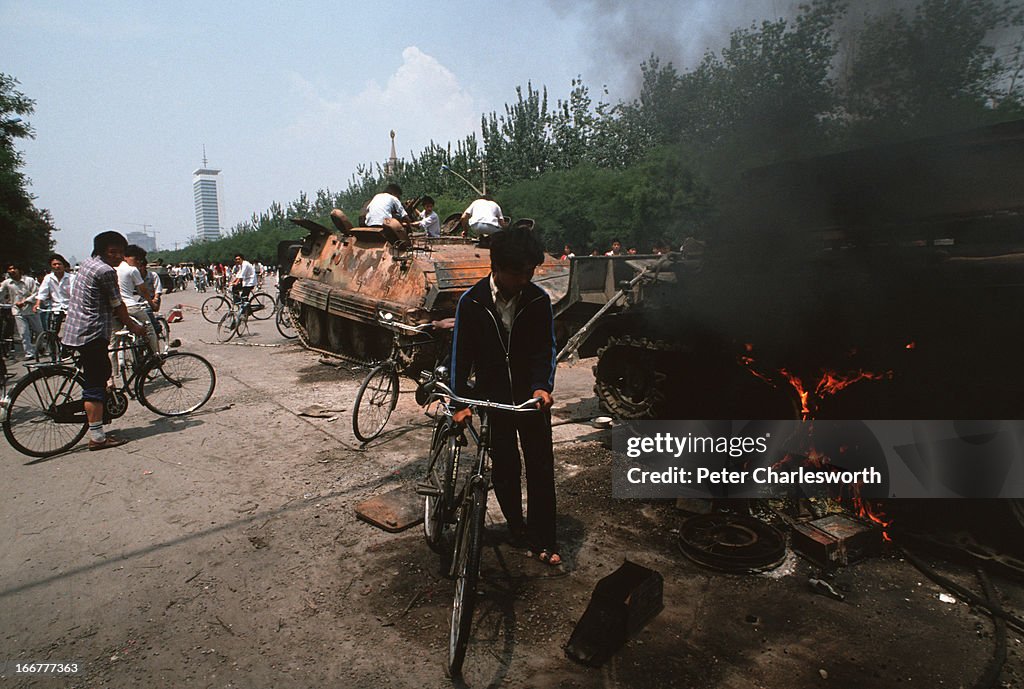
x,y
222,550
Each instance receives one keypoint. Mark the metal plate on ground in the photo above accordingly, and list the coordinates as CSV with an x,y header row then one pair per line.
x,y
394,511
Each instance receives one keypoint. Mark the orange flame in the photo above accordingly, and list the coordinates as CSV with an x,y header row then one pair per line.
x,y
832,382
871,512
805,410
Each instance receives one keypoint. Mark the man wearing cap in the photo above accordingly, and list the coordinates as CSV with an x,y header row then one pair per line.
x,y
95,301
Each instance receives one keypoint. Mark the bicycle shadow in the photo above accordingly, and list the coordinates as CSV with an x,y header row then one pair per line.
x,y
506,584
155,427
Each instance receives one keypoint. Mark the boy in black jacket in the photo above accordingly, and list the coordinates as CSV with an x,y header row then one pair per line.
x,y
504,332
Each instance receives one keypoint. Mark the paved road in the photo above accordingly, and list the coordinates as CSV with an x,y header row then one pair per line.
x,y
222,550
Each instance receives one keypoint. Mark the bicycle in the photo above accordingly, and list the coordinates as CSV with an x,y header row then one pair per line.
x,y
44,414
215,307
378,393
236,320
445,503
283,319
163,331
8,332
48,344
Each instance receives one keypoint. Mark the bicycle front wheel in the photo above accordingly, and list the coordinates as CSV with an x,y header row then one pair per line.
x,y
444,462
215,307
284,323
467,572
47,347
374,402
227,327
45,414
163,332
261,305
176,384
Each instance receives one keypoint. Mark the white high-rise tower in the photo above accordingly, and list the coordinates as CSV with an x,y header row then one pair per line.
x,y
205,188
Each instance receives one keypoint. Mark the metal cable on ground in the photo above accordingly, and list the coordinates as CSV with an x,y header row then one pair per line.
x,y
994,668
993,609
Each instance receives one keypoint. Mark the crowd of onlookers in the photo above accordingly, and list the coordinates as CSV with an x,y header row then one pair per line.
x,y
691,248
204,276
34,301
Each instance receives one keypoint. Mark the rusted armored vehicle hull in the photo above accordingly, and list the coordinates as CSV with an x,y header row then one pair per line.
x,y
877,283
344,280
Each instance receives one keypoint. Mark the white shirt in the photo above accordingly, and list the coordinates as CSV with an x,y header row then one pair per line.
x,y
246,273
383,206
431,224
55,293
12,291
128,280
506,308
485,212
154,284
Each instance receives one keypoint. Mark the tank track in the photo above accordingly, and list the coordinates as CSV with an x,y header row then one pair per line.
x,y
629,382
300,328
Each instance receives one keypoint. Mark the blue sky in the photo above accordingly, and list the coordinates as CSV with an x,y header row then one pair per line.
x,y
290,97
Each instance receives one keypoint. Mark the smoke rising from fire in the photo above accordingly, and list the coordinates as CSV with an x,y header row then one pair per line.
x,y
623,35
626,34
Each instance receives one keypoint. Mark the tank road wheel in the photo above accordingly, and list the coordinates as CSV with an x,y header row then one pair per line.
x,y
368,342
313,320
338,337
627,380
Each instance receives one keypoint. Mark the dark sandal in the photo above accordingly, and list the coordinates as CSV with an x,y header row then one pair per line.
x,y
550,558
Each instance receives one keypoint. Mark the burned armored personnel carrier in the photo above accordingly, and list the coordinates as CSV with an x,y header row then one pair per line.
x,y
347,278
877,283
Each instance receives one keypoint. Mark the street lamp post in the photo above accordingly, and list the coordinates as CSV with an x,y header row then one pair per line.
x,y
445,168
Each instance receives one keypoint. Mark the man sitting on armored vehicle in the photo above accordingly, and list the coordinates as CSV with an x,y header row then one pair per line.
x,y
484,217
385,210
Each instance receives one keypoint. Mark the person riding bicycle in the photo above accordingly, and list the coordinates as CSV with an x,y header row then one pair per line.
x,y
504,331
55,292
200,278
135,293
243,280
95,301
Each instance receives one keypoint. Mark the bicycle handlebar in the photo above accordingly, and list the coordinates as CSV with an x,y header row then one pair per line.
x,y
528,405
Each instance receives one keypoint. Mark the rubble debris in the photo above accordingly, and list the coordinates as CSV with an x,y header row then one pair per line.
x,y
835,541
734,543
622,603
826,589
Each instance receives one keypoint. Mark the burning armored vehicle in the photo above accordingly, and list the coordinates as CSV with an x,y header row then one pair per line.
x,y
883,282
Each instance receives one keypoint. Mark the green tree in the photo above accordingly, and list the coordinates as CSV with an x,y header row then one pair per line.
x,y
27,230
518,143
933,69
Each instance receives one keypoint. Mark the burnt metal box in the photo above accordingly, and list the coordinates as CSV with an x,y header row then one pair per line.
x,y
622,603
836,540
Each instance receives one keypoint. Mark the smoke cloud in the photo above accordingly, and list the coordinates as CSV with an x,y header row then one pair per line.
x,y
682,31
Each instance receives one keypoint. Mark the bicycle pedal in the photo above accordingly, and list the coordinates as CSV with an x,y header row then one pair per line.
x,y
427,490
